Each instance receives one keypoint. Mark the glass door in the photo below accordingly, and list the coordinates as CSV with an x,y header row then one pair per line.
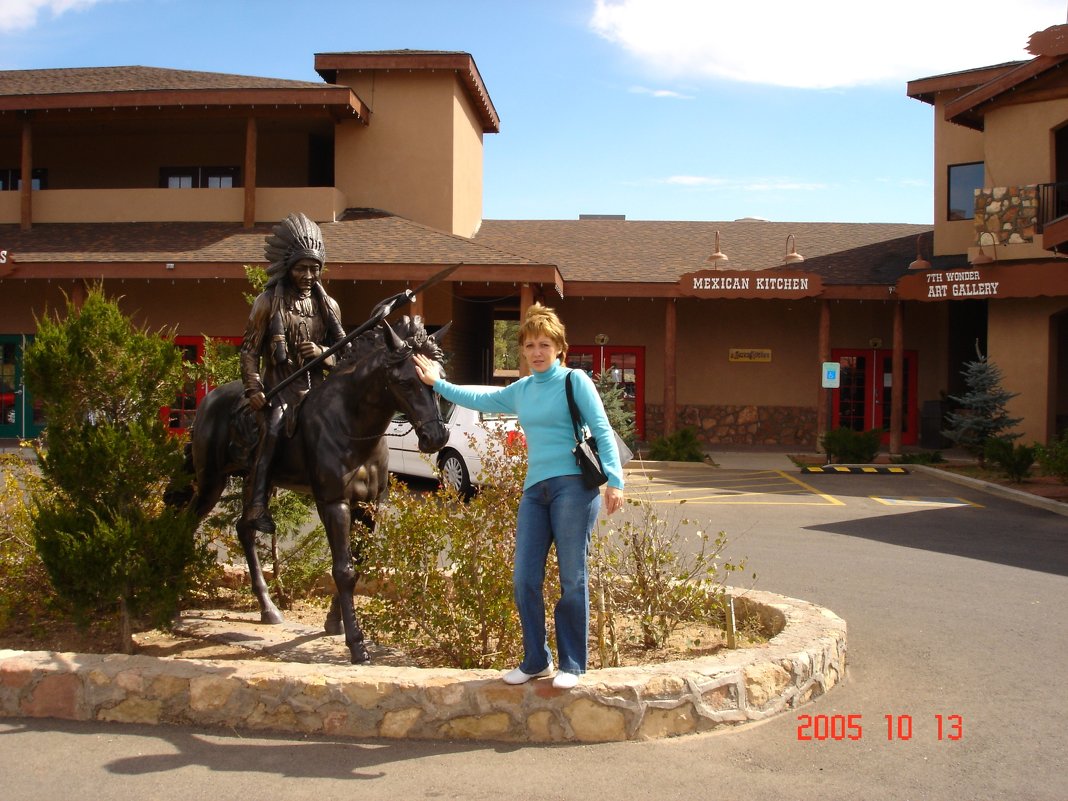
x,y
866,397
627,366
20,415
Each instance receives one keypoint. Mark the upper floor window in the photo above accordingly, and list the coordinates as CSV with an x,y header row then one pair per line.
x,y
964,179
199,177
11,178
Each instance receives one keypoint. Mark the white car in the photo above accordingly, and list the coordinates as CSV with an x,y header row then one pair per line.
x,y
457,465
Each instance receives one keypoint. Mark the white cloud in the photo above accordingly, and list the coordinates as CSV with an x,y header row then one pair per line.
x,y
18,15
669,93
744,184
821,44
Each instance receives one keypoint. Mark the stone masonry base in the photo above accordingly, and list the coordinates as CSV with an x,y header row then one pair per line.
x,y
804,660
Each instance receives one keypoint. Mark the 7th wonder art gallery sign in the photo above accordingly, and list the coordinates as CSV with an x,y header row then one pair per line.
x,y
1026,280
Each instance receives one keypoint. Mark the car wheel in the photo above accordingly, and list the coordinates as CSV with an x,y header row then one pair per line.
x,y
454,473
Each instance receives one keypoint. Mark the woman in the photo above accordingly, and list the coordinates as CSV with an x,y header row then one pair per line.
x,y
556,506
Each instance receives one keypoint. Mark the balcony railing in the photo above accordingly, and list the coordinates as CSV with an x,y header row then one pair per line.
x,y
1052,204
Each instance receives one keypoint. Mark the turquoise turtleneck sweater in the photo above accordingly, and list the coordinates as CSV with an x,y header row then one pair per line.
x,y
540,400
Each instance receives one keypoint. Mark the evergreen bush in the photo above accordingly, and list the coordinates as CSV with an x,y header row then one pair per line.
x,y
100,525
982,413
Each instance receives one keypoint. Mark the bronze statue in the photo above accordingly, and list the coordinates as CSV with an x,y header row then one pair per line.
x,y
291,323
334,449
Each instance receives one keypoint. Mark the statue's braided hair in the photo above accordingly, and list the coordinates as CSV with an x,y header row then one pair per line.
x,y
293,239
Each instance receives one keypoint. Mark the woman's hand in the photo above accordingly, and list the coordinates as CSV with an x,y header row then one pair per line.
x,y
613,500
428,370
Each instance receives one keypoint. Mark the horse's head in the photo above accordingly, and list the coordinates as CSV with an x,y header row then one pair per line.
x,y
413,397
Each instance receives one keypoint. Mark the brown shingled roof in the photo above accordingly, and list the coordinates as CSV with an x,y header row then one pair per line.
x,y
660,252
119,87
360,238
77,80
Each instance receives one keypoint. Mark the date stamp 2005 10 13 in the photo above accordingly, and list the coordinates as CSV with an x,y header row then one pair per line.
x,y
897,727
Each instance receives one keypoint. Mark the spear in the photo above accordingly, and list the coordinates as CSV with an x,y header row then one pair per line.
x,y
382,310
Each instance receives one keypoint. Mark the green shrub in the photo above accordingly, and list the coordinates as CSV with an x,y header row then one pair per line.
x,y
1013,460
24,587
109,543
846,446
983,411
642,569
1053,457
682,446
444,567
921,457
619,417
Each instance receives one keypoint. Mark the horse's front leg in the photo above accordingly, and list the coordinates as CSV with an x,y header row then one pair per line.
x,y
268,611
337,520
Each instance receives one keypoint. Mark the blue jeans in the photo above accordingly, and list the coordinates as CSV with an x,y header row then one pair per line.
x,y
557,510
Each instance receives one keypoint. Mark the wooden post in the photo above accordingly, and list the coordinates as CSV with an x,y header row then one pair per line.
x,y
670,366
26,193
897,378
823,348
250,172
526,300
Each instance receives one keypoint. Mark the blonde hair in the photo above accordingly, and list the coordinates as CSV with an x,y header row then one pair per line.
x,y
541,321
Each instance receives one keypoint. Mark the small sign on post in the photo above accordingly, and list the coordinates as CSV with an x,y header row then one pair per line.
x,y
832,375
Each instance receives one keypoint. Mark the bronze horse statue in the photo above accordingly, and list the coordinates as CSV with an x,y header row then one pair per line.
x,y
337,453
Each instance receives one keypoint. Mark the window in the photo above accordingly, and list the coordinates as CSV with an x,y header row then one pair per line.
x,y
199,177
964,179
12,179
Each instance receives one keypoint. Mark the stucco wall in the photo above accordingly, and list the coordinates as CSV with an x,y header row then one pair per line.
x,y
406,159
1022,345
953,144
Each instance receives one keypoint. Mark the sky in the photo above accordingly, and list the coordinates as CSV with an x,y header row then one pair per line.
x,y
655,109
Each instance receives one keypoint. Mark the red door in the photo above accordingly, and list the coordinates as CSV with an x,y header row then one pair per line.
x,y
866,396
179,415
628,368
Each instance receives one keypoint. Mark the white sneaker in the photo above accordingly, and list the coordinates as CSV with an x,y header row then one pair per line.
x,y
517,676
565,681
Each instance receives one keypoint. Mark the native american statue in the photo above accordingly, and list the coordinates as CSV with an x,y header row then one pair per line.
x,y
291,323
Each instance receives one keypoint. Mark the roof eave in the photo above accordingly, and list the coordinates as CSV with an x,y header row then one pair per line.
x,y
328,65
342,101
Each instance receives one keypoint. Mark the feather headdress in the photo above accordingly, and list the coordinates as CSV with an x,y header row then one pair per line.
x,y
293,239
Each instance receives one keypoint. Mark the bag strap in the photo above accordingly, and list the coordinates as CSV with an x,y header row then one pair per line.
x,y
576,420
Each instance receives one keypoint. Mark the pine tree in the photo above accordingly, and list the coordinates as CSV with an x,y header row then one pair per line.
x,y
100,526
618,415
982,414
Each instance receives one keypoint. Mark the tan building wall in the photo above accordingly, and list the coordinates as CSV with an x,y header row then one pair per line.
x,y
1023,345
953,144
408,160
1009,164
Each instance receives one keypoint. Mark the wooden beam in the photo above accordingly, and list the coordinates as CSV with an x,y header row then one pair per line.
x,y
897,377
526,300
823,348
250,171
26,192
671,325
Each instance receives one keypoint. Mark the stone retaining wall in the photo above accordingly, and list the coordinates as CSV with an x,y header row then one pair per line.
x,y
719,426
806,659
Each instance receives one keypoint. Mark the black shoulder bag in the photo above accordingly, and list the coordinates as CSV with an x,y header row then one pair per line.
x,y
585,450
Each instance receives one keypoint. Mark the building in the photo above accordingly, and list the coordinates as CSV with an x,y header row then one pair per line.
x,y
163,183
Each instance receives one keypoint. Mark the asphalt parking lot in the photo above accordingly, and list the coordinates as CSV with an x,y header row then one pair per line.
x,y
957,645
